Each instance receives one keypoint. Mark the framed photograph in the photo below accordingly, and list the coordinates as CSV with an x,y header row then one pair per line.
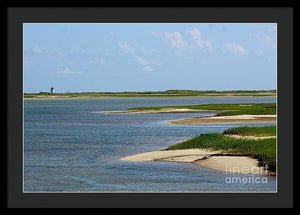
x,y
128,107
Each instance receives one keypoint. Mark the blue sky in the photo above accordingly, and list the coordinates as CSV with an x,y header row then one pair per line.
x,y
149,57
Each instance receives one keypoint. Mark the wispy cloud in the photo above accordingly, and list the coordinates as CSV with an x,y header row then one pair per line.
x,y
195,33
147,69
236,49
268,37
142,61
37,50
67,71
125,47
175,39
97,61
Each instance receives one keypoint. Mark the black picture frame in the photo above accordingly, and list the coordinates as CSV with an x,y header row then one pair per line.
x,y
16,16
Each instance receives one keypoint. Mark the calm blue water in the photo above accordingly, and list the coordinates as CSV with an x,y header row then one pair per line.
x,y
68,147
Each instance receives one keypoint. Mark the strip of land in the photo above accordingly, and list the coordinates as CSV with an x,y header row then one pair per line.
x,y
249,137
237,150
152,94
227,120
185,155
210,159
221,109
165,110
223,113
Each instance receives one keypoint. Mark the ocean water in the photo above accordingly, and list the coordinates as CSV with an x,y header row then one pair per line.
x,y
68,147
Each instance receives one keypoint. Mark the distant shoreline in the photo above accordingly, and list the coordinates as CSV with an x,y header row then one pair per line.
x,y
121,97
154,94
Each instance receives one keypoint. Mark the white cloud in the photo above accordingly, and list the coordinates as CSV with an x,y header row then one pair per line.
x,y
268,37
236,49
195,33
258,51
176,40
147,69
97,61
67,71
149,51
125,47
37,50
142,61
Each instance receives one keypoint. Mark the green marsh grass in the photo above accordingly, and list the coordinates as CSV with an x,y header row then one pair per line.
x,y
252,131
262,149
229,109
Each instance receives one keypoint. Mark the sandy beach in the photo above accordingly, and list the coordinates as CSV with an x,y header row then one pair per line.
x,y
184,155
249,137
232,164
206,158
227,119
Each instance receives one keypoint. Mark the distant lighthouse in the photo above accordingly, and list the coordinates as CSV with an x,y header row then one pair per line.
x,y
52,90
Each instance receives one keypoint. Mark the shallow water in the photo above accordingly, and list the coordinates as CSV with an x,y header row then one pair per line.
x,y
70,148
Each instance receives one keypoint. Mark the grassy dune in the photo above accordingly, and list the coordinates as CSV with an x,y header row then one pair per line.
x,y
231,109
262,149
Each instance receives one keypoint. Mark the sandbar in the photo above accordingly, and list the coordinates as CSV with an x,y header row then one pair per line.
x,y
227,119
165,110
202,157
